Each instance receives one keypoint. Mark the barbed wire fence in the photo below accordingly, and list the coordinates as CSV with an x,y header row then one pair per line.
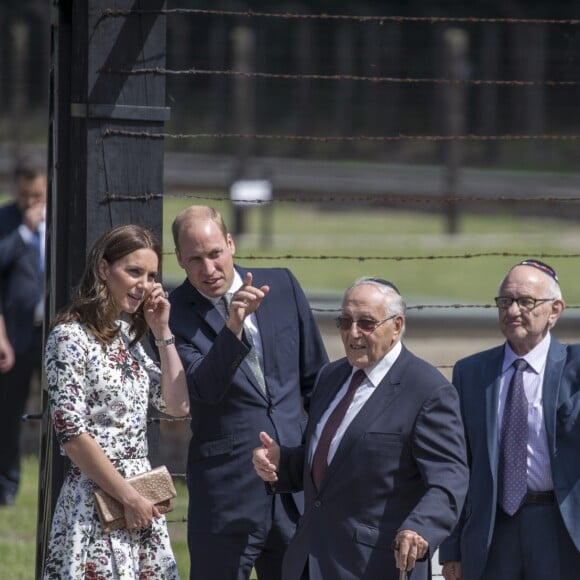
x,y
454,198
111,197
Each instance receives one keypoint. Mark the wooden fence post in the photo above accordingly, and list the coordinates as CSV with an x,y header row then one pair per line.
x,y
91,93
454,110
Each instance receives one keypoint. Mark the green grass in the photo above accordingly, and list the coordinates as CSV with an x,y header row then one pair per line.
x,y
388,238
385,239
18,528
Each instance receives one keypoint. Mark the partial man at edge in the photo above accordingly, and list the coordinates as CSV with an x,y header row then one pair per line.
x,y
22,229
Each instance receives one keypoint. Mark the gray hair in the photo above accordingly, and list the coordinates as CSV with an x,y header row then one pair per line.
x,y
394,303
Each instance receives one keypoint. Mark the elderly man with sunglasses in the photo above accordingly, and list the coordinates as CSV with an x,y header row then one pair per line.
x,y
521,408
382,464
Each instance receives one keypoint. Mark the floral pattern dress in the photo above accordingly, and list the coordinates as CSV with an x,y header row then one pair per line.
x,y
103,391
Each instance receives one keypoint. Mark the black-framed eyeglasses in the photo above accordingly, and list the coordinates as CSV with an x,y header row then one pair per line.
x,y
523,302
366,325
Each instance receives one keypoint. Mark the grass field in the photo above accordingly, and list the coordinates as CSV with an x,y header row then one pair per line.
x,y
401,246
386,238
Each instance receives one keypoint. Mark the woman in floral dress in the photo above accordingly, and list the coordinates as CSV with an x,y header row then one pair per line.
x,y
100,383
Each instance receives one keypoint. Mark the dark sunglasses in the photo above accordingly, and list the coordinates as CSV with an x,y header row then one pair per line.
x,y
366,325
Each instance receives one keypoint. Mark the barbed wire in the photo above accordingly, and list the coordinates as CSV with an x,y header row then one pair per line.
x,y
419,307
336,77
148,196
378,198
344,138
111,197
115,12
465,256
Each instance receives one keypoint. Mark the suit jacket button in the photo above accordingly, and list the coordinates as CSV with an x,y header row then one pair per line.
x,y
317,503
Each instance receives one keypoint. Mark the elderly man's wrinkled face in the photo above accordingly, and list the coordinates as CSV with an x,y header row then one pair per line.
x,y
367,345
525,326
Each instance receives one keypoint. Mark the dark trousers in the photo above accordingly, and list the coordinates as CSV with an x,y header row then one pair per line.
x,y
533,544
232,556
14,391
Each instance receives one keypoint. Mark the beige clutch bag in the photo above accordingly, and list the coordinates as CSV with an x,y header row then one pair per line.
x,y
155,485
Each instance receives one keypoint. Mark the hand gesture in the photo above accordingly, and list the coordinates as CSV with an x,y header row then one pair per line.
x,y
156,309
266,459
245,301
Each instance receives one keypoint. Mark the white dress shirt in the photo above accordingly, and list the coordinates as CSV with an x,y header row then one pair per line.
x,y
375,374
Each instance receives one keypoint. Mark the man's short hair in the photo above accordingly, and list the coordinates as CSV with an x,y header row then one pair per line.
x,y
30,167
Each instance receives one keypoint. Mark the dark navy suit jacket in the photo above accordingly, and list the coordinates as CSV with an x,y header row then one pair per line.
x,y
477,379
228,409
21,280
400,465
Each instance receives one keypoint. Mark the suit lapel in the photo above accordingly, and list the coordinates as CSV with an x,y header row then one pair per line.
x,y
325,395
265,317
551,389
205,309
491,380
266,335
382,397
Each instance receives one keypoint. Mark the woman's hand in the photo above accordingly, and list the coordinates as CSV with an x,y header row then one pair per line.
x,y
156,309
139,512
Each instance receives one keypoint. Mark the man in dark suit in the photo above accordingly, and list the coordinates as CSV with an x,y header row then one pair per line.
x,y
520,403
251,351
383,462
21,292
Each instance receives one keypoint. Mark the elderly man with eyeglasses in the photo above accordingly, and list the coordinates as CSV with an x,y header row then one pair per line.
x,y
521,408
383,463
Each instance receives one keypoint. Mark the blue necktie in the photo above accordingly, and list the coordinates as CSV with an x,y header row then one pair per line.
x,y
513,454
37,250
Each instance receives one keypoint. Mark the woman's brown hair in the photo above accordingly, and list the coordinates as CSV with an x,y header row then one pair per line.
x,y
92,304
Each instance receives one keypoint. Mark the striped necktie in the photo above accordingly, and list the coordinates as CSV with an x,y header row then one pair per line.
x,y
252,356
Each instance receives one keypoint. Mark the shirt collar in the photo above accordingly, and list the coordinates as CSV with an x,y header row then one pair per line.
x,y
536,358
236,284
376,373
